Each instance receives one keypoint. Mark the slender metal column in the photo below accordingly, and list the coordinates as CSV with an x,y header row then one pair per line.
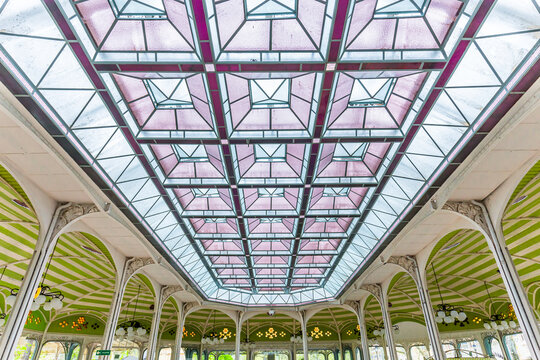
x,y
179,332
359,310
303,324
154,331
116,308
378,293
238,335
63,216
409,264
477,212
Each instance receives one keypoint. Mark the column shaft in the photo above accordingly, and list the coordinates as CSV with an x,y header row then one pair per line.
x,y
179,332
388,330
19,312
516,292
238,337
304,338
429,317
363,331
116,308
154,331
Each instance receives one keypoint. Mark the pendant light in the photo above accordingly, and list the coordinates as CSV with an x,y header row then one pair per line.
x,y
497,321
448,314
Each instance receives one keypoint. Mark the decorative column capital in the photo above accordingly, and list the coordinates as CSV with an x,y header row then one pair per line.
x,y
168,290
71,213
407,263
136,263
469,210
375,290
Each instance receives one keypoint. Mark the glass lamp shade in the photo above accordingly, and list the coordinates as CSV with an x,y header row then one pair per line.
x,y
141,331
309,338
454,314
203,341
462,316
441,314
493,324
2,322
221,341
56,303
120,331
439,320
512,324
10,300
487,326
448,319
40,299
504,323
47,306
130,329
34,306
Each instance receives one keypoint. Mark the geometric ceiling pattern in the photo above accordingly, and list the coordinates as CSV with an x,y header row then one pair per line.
x,y
268,153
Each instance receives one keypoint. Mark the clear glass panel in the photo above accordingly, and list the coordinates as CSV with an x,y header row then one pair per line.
x,y
122,353
516,346
494,348
53,350
401,353
25,349
165,354
376,353
449,350
470,348
419,352
267,355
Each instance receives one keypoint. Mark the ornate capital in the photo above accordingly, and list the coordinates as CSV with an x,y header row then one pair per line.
x,y
168,290
375,290
470,210
135,264
407,263
71,213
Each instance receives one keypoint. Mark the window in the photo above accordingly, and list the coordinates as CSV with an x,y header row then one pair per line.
x,y
270,9
119,354
270,152
376,353
269,93
169,93
449,350
401,353
493,348
190,153
271,192
516,346
419,352
371,92
336,191
400,8
53,350
165,354
138,9
25,349
350,151
470,349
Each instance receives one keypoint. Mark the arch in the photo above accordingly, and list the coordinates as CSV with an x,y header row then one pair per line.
x,y
206,320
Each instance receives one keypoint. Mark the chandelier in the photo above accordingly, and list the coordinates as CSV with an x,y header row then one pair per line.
x,y
448,314
212,338
297,338
498,321
380,331
129,329
50,299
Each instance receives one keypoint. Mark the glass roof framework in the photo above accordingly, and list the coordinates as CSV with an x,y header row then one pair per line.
x,y
266,182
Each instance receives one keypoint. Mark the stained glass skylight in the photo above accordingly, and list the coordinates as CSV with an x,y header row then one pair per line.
x,y
138,9
270,152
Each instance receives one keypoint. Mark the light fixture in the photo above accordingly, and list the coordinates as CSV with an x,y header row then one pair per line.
x,y
133,327
50,299
448,314
498,321
212,338
380,331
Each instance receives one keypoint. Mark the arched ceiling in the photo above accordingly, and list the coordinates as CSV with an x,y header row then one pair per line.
x,y
215,152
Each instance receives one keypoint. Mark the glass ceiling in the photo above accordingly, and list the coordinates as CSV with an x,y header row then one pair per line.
x,y
268,148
